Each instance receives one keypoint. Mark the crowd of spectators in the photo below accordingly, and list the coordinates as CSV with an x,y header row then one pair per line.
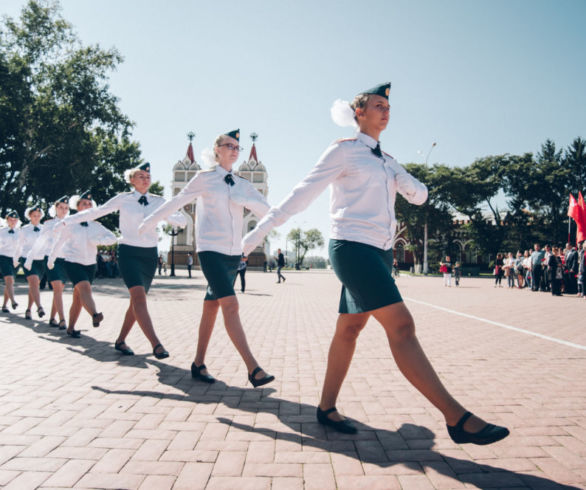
x,y
553,269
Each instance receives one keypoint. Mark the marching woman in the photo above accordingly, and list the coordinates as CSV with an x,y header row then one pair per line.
x,y
8,244
221,197
79,247
364,183
27,237
137,254
57,275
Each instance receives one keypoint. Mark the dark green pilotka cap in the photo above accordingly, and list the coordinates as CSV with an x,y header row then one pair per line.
x,y
234,134
383,90
12,214
85,195
64,199
146,166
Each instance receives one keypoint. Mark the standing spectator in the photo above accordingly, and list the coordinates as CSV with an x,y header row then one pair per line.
x,y
189,263
519,271
581,271
498,270
280,265
536,271
457,273
554,265
242,272
446,270
571,270
509,268
160,263
546,277
527,268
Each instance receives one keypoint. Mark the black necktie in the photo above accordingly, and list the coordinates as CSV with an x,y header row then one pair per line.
x,y
83,223
11,232
36,228
376,150
143,201
228,179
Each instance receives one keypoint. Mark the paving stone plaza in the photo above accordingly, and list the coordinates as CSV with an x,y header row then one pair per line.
x,y
74,413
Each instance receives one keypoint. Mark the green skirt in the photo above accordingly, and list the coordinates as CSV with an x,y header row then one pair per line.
x,y
6,266
37,269
79,272
137,265
366,275
58,272
220,271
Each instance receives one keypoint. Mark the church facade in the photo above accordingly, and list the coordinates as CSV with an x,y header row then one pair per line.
x,y
184,170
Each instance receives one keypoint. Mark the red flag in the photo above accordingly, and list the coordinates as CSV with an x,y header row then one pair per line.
x,y
573,209
580,219
192,158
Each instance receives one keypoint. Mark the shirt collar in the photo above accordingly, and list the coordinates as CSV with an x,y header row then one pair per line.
x,y
137,194
367,140
222,171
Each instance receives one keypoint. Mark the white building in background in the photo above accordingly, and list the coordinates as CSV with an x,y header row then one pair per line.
x,y
184,170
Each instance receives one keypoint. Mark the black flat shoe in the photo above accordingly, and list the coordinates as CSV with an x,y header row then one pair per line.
x,y
76,334
40,312
344,426
96,319
14,305
53,323
162,354
262,381
196,374
62,325
5,309
126,351
27,315
489,434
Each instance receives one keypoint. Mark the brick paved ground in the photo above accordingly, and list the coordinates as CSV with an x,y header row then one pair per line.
x,y
73,413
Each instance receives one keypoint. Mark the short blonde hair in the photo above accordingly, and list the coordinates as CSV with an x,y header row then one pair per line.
x,y
219,140
128,174
359,102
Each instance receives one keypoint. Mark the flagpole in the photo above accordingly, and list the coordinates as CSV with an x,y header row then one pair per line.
x,y
569,228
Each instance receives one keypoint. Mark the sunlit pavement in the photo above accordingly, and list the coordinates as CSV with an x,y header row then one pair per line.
x,y
74,413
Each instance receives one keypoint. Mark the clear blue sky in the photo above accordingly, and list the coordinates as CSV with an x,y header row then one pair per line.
x,y
477,77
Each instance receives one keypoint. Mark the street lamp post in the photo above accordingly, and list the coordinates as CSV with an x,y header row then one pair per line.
x,y
425,264
173,233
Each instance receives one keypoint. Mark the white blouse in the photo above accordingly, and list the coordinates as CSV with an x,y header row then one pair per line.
x,y
131,215
8,241
362,199
26,239
44,244
79,244
219,210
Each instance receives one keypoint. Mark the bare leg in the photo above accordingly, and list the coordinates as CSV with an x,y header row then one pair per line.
x,y
229,305
413,363
127,325
85,296
34,292
348,327
9,290
140,313
57,305
206,326
75,309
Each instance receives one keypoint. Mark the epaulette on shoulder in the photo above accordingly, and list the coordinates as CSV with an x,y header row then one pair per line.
x,y
389,155
206,171
153,195
343,140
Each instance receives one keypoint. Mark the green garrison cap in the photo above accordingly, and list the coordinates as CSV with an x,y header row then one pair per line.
x,y
64,199
12,214
85,195
146,166
36,207
234,134
383,90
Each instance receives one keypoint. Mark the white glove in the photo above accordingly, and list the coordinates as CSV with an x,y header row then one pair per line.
x,y
51,264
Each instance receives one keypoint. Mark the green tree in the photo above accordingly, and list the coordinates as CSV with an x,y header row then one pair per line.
x,y
303,241
61,130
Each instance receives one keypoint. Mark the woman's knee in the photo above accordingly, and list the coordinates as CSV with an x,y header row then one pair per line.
x,y
349,332
401,331
229,305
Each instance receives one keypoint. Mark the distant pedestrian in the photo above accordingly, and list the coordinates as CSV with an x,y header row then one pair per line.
x,y
160,264
457,273
536,270
189,263
446,270
498,270
280,265
242,272
555,268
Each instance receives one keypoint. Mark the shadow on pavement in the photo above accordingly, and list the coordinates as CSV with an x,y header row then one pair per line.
x,y
411,445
